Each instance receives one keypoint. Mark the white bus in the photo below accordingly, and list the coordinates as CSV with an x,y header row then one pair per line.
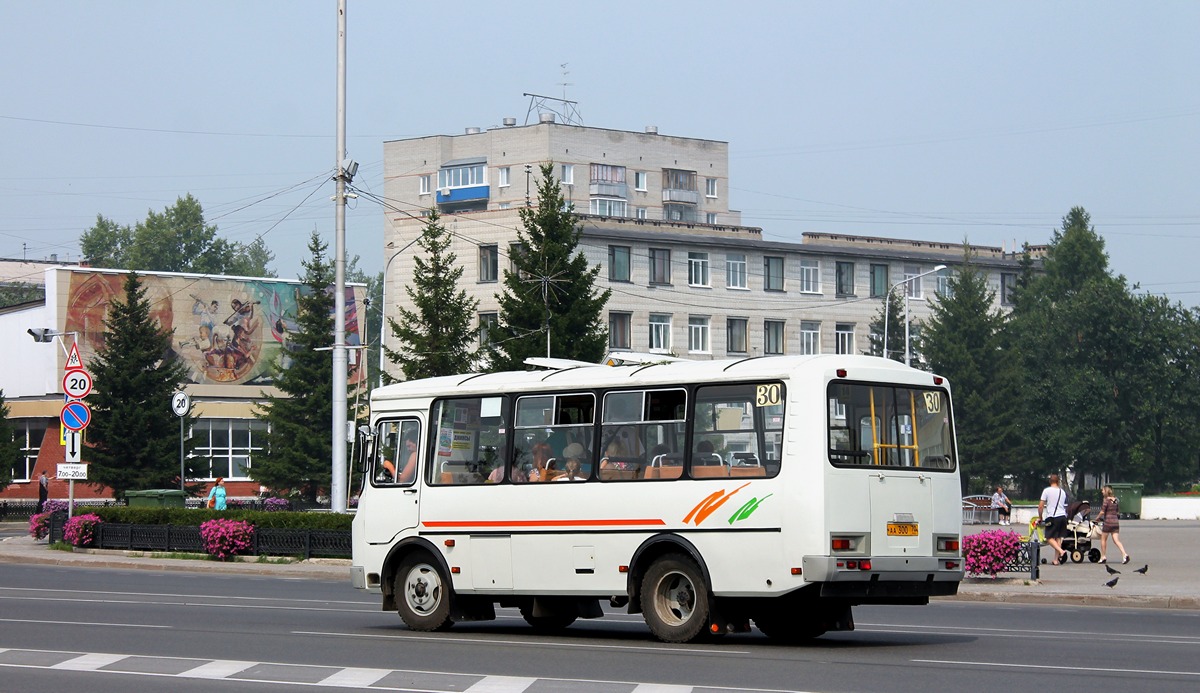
x,y
705,495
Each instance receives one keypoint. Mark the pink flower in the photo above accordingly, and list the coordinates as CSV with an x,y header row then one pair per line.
x,y
224,538
81,529
988,553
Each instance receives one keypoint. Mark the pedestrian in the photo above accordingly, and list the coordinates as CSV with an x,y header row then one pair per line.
x,y
1110,515
43,491
216,496
1002,505
1052,511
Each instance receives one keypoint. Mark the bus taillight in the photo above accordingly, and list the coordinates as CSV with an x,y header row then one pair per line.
x,y
948,544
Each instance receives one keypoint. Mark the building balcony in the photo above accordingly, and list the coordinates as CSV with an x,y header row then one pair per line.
x,y
605,189
456,195
677,195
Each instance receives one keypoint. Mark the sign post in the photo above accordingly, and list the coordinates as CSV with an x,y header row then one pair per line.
x,y
71,472
180,404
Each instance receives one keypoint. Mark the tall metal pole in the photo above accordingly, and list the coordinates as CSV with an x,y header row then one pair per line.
x,y
337,490
906,361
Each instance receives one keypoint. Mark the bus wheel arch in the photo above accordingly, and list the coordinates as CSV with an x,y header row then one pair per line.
x,y
391,565
651,551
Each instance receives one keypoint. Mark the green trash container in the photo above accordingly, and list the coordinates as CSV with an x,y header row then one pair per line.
x,y
1129,496
156,498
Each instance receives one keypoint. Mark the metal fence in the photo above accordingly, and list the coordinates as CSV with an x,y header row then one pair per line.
x,y
267,541
21,510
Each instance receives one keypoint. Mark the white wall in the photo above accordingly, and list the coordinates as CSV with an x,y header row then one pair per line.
x,y
1170,508
28,368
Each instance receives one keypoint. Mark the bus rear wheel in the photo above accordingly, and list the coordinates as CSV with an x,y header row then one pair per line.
x,y
423,594
675,600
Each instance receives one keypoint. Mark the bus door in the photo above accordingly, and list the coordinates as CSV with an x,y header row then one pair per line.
x,y
902,496
395,473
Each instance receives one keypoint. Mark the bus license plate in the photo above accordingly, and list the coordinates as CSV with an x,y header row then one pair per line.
x,y
902,529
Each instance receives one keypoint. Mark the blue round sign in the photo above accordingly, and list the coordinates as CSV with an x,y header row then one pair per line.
x,y
75,416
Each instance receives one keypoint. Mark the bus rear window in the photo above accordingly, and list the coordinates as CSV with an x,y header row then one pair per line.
x,y
890,426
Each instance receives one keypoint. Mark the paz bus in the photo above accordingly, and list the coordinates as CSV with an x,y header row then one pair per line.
x,y
706,495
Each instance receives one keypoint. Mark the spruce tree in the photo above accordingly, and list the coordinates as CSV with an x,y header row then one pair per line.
x,y
552,288
299,443
963,340
436,338
892,309
10,451
133,438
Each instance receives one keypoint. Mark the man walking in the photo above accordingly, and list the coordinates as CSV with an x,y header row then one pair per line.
x,y
1052,510
43,491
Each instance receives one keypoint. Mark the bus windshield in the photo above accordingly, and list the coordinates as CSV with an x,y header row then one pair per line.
x,y
890,426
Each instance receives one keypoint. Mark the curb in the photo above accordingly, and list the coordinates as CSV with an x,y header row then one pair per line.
x,y
1116,600
135,560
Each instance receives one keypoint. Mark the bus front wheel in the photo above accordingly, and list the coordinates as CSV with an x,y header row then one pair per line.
x,y
423,594
675,600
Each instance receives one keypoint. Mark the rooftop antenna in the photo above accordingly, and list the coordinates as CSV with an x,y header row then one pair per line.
x,y
566,112
564,84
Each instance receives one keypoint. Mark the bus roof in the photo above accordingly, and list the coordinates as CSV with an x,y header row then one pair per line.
x,y
586,377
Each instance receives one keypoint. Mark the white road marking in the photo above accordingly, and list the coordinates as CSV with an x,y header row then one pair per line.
x,y
89,662
501,684
78,623
1059,667
354,677
216,669
657,649
661,688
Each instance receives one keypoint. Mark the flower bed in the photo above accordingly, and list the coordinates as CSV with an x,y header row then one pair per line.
x,y
990,552
81,529
225,538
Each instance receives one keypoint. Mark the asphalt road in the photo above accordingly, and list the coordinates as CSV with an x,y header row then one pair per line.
x,y
80,628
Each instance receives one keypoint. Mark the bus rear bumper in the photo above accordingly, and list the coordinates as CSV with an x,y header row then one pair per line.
x,y
884,578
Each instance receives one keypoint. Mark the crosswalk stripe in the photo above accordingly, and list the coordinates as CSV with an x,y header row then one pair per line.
x,y
89,662
661,688
354,677
216,669
501,684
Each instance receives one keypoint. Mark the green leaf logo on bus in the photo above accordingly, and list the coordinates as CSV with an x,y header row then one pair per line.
x,y
716,499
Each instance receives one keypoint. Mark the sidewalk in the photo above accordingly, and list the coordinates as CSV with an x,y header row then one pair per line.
x,y
1167,546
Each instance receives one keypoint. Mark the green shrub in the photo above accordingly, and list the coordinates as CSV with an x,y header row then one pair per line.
x,y
182,517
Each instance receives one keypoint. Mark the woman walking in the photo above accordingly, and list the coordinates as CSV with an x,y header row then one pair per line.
x,y
1110,514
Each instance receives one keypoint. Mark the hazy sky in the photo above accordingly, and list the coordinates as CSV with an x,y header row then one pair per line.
x,y
929,120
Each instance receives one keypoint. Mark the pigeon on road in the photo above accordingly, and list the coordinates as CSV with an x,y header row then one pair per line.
x,y
1112,582
1143,569
1111,570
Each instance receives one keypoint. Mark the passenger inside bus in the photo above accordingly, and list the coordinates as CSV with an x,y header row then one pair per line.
x,y
543,463
573,468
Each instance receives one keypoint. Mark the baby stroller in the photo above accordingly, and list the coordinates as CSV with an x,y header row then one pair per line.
x,y
1080,532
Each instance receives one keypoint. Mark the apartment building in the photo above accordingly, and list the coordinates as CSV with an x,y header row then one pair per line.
x,y
686,277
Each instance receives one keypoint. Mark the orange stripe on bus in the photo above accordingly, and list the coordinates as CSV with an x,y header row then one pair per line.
x,y
544,523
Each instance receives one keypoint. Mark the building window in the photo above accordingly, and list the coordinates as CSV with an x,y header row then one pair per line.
x,y
676,179
504,205
710,187
424,182
660,266
1008,285
845,279
607,173
912,286
735,270
942,286
660,332
504,177
639,181
516,250
810,277
618,263
462,176
810,337
489,267
606,207
619,327
735,335
28,435
879,280
772,336
640,213
225,447
844,338
710,218
773,273
486,322
568,174
697,269
698,335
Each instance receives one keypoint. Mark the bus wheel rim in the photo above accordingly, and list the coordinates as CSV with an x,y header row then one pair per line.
x,y
423,589
676,598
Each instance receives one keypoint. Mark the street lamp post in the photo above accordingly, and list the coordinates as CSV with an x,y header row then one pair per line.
x,y
887,304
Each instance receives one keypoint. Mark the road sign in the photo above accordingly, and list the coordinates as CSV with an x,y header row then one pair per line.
x,y
72,471
73,444
73,361
180,403
77,383
75,416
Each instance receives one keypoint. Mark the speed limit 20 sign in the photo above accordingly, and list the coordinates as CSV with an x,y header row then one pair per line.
x,y
77,384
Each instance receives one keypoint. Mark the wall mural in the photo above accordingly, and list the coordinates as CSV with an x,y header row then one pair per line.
x,y
226,331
